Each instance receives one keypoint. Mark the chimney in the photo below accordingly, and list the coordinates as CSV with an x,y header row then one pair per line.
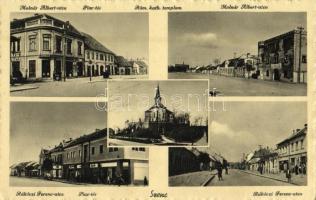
x,y
305,125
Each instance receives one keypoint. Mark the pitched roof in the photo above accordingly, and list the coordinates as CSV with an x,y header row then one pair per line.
x,y
94,44
299,132
86,138
121,61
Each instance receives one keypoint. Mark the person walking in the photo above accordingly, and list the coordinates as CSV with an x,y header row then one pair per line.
x,y
288,175
145,181
219,171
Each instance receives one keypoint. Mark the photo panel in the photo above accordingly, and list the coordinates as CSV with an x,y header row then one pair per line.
x,y
241,53
65,55
252,144
158,112
64,144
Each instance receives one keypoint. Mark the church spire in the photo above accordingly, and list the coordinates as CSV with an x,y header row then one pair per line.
x,y
157,96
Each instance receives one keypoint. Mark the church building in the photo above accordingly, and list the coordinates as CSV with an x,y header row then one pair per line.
x,y
158,118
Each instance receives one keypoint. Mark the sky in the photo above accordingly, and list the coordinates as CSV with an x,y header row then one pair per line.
x,y
242,126
125,34
36,125
197,38
128,100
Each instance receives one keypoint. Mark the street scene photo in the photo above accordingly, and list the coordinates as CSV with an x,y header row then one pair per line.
x,y
164,112
74,54
251,144
241,53
68,147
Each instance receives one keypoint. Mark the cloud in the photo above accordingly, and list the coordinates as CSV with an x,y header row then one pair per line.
x,y
207,40
219,129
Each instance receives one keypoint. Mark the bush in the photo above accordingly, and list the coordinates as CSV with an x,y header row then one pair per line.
x,y
186,134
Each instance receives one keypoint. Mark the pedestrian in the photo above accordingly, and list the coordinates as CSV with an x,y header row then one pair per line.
x,y
288,175
145,181
108,180
219,171
296,170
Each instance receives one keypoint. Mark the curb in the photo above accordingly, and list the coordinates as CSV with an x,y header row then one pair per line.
x,y
209,180
269,177
25,88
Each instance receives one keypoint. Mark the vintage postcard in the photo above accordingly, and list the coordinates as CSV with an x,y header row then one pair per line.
x,y
157,99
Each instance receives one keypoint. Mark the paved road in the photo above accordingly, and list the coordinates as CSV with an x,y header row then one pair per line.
x,y
232,86
239,178
78,87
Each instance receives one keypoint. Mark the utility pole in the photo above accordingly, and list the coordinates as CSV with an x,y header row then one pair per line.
x,y
300,55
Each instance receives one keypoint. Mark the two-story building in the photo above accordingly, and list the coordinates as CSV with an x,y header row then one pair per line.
x,y
98,58
43,46
88,159
284,57
293,150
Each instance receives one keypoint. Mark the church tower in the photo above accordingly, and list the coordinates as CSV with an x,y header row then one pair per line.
x,y
157,97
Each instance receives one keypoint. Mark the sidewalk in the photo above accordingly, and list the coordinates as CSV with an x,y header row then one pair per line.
x,y
22,87
200,178
300,180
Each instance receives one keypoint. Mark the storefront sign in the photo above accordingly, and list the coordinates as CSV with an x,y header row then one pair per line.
x,y
140,164
125,164
110,164
93,165
78,166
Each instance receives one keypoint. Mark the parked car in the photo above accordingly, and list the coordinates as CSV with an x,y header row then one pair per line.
x,y
106,74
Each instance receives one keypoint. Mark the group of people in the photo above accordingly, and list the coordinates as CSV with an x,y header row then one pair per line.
x,y
301,169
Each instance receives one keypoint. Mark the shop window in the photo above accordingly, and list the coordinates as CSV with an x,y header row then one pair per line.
x,y
32,43
32,68
92,150
46,42
101,148
304,59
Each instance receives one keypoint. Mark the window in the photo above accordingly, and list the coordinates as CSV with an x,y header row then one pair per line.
x,y
111,149
69,41
79,48
46,42
302,144
107,57
79,153
296,146
92,55
92,150
32,68
142,149
67,155
88,55
96,56
32,43
58,44
101,56
292,146
304,59
101,148
15,46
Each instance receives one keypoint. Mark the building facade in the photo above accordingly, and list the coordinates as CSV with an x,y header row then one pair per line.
x,y
98,58
284,57
43,46
87,159
158,118
293,151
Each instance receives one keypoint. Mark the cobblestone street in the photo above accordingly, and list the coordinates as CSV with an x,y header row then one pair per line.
x,y
232,86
